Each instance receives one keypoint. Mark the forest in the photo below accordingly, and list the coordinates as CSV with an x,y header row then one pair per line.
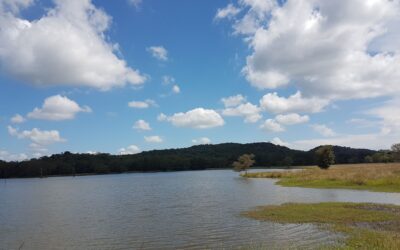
x,y
198,157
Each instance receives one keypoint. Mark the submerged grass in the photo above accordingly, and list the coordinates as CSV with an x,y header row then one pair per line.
x,y
373,177
367,226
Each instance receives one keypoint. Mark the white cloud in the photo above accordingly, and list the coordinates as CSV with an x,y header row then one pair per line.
x,y
278,141
153,139
166,80
292,119
38,148
201,141
158,52
250,112
271,125
14,6
142,104
323,130
233,101
228,12
7,156
324,48
265,80
198,118
37,136
162,117
130,150
141,125
360,122
57,108
389,116
273,103
371,141
176,89
17,118
91,152
66,46
135,3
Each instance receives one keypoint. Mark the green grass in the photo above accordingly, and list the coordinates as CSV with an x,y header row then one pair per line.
x,y
367,226
372,177
382,185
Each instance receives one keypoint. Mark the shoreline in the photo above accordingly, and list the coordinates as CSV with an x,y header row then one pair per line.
x,y
364,225
383,177
144,172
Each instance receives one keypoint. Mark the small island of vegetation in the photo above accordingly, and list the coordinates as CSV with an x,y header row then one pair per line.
x,y
366,225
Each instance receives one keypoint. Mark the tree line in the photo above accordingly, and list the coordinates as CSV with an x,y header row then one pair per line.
x,y
193,158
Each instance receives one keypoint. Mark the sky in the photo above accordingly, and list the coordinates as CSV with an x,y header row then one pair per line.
x,y
127,76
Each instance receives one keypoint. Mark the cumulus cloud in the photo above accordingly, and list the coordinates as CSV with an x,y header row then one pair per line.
x,y
389,116
362,123
198,118
249,111
14,6
142,104
278,141
228,12
153,139
135,3
271,125
375,141
17,118
323,48
158,52
130,150
273,103
141,125
323,130
233,101
201,141
38,149
292,119
57,108
166,80
37,136
176,89
7,156
265,80
66,46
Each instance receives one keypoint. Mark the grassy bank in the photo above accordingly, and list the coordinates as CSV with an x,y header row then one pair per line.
x,y
373,177
367,226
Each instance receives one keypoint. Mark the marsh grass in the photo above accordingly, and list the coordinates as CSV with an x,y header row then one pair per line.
x,y
367,226
373,177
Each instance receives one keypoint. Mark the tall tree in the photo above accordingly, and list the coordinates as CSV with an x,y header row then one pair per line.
x,y
396,151
325,156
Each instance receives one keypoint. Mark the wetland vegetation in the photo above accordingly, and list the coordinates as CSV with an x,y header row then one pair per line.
x,y
383,177
364,225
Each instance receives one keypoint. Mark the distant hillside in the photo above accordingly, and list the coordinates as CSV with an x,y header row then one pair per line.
x,y
192,158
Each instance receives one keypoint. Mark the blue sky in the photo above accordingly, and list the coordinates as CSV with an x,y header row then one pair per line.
x,y
126,76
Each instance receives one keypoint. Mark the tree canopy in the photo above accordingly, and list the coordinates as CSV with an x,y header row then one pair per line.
x,y
244,162
325,156
193,158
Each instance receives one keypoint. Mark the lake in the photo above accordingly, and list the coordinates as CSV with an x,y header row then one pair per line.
x,y
184,210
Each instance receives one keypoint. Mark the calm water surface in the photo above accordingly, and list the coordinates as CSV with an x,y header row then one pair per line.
x,y
184,210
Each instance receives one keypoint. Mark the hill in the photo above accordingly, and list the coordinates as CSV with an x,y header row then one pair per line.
x,y
193,158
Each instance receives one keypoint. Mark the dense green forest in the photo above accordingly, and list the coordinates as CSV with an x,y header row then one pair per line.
x,y
192,158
